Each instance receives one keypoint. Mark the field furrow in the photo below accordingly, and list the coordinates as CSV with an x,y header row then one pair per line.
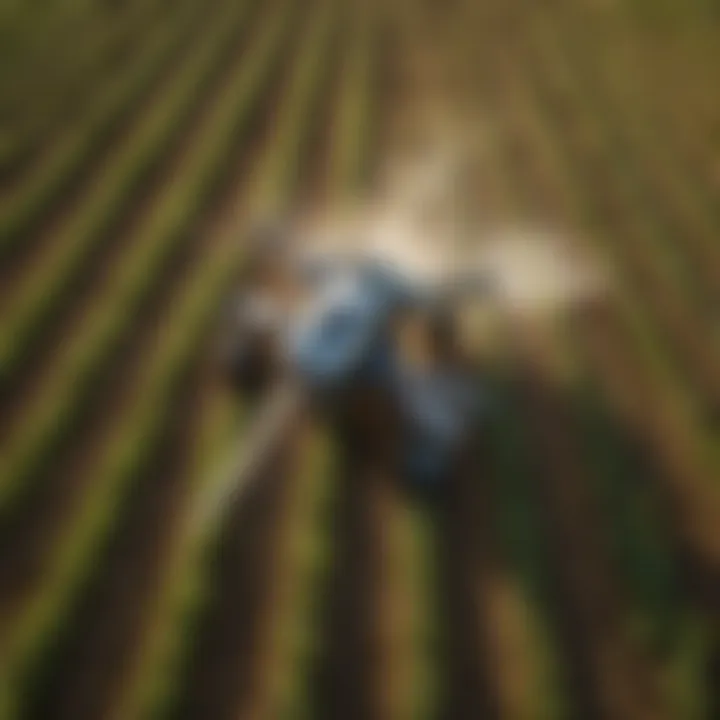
x,y
217,680
622,683
81,246
304,94
344,679
584,212
121,459
35,202
219,428
611,673
662,191
159,235
631,237
687,498
81,671
62,486
677,440
681,199
60,64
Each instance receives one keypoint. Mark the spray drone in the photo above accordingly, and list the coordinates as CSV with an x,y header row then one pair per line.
x,y
368,313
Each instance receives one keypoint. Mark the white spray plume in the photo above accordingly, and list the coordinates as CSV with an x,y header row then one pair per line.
x,y
421,224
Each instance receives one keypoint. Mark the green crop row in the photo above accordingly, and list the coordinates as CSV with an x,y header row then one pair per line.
x,y
303,556
516,519
158,690
520,181
52,79
25,33
567,157
286,164
539,174
114,102
416,678
681,329
680,60
316,559
524,548
685,192
641,543
645,305
80,552
678,626
29,33
673,395
75,373
515,522
681,196
154,138
213,290
676,437
350,122
649,357
662,242
305,612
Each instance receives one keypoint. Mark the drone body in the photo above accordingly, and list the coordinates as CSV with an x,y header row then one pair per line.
x,y
364,315
343,343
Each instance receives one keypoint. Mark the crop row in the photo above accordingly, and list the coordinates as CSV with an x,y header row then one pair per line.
x,y
213,279
62,66
157,238
626,679
284,642
543,176
679,436
305,614
537,547
75,150
143,145
529,584
447,608
683,330
671,391
309,481
560,456
354,107
677,392
398,537
52,82
493,558
299,106
367,595
295,662
528,609
675,67
684,201
634,307
659,246
54,272
172,214
32,36
663,545
28,34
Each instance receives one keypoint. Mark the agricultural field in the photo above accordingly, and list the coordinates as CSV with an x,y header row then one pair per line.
x,y
571,570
